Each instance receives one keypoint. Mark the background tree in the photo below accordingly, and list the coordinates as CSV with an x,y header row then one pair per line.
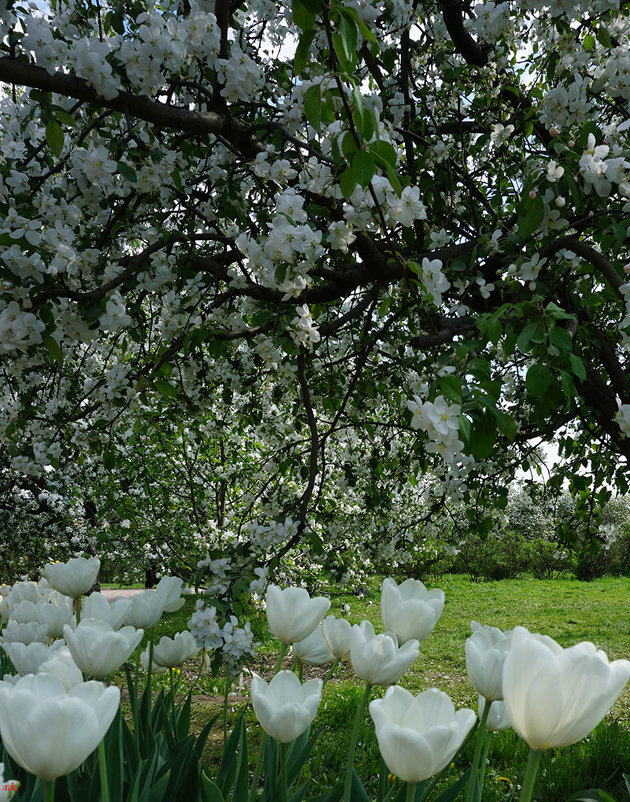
x,y
264,267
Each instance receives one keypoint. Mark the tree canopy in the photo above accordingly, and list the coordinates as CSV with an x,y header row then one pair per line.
x,y
287,281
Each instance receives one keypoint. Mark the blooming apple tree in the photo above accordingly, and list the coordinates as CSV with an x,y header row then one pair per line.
x,y
263,266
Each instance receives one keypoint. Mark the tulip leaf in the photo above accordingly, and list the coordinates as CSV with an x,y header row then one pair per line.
x,y
300,751
228,766
592,795
210,791
299,795
357,791
334,795
453,791
241,785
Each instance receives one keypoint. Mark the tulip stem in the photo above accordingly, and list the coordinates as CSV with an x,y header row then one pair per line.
x,y
411,792
258,769
283,772
49,791
353,742
77,609
102,765
484,760
533,761
331,671
226,692
473,779
284,648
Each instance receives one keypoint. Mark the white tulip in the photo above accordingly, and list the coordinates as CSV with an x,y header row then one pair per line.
x,y
25,611
50,731
313,649
25,633
98,649
555,696
113,613
418,736
144,662
62,666
292,614
75,577
55,613
285,707
486,650
409,609
336,632
27,659
378,659
146,609
497,717
170,589
169,652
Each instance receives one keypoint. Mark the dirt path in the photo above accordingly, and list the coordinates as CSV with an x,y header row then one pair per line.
x,y
116,593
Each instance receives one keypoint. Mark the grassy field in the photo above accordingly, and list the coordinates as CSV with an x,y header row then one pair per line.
x,y
567,610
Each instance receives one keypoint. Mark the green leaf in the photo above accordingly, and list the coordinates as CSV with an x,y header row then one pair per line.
x,y
302,16
165,388
386,151
451,387
52,346
495,330
127,172
537,381
365,31
345,43
588,42
483,433
393,180
591,795
109,460
561,338
527,334
347,183
313,106
577,366
303,51
531,212
453,791
363,168
54,137
63,116
603,37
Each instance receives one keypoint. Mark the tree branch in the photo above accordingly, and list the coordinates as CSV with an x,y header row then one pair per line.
x,y
465,45
163,115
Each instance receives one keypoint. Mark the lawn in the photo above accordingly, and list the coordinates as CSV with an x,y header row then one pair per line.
x,y
567,610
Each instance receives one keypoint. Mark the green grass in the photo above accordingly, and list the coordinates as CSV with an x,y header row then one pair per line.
x,y
567,610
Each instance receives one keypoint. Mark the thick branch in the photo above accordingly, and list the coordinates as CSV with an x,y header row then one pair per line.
x,y
449,329
606,268
464,43
163,115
